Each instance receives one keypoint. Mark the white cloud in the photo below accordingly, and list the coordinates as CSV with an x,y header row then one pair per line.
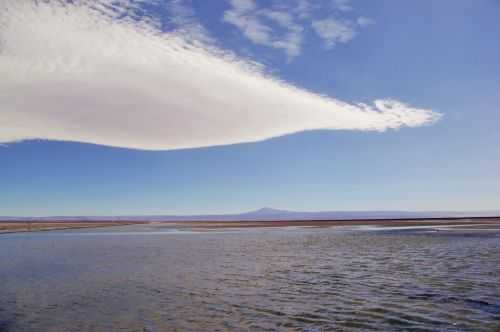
x,y
247,17
364,21
249,24
283,24
333,31
183,17
304,9
75,73
343,5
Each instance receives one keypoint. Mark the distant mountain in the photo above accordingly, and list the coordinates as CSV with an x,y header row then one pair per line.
x,y
266,211
275,214
271,214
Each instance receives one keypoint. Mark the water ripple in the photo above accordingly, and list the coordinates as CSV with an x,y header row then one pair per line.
x,y
305,280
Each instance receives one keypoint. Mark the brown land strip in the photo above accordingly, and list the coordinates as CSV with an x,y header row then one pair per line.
x,y
492,223
23,226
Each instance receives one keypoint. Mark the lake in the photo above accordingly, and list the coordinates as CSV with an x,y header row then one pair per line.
x,y
145,278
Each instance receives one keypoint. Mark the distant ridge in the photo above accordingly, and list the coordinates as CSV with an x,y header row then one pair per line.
x,y
271,214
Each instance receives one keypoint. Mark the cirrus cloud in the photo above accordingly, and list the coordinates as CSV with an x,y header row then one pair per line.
x,y
98,72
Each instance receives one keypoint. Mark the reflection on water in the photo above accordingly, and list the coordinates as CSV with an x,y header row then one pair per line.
x,y
276,280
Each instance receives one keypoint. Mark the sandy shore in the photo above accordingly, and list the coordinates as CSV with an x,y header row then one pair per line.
x,y
469,223
23,226
457,223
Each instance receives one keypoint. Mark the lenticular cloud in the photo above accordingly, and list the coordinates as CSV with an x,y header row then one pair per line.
x,y
96,72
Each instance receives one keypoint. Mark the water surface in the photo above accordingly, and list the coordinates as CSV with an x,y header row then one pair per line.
x,y
143,278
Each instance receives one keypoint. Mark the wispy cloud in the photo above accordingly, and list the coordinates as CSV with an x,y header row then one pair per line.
x,y
185,22
343,5
333,31
255,25
98,72
282,25
364,21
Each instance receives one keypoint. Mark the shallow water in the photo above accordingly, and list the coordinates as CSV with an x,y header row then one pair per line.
x,y
142,278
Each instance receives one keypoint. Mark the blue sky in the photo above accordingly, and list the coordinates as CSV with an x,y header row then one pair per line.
x,y
426,56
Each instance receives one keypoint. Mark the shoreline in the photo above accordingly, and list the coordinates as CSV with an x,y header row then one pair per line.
x,y
491,223
12,227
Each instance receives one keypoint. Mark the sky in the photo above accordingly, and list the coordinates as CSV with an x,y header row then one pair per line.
x,y
186,107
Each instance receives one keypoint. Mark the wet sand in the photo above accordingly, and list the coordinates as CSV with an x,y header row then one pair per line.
x,y
23,226
469,223
479,223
